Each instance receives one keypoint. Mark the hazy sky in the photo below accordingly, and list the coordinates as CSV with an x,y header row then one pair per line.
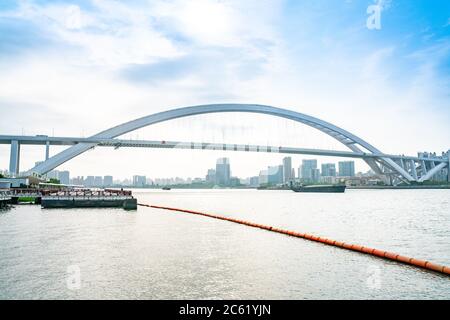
x,y
71,68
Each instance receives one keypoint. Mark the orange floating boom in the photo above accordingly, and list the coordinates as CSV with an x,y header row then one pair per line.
x,y
362,249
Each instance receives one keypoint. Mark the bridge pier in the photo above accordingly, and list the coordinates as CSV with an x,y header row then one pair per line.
x,y
14,159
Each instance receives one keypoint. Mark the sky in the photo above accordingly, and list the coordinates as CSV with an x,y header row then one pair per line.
x,y
75,68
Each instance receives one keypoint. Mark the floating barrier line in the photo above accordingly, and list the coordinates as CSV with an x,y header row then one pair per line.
x,y
362,249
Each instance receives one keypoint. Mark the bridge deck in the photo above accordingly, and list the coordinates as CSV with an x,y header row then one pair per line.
x,y
123,143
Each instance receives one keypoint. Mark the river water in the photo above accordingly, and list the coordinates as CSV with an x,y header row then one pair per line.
x,y
158,254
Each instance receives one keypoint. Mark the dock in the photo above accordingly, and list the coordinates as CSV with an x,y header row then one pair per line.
x,y
87,198
70,198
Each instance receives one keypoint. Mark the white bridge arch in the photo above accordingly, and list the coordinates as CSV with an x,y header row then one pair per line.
x,y
382,166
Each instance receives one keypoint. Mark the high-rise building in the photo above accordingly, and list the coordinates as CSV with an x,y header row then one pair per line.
x,y
275,174
211,176
89,181
315,175
346,168
223,172
98,181
328,170
107,181
78,181
287,169
139,181
254,181
263,177
54,174
308,166
64,177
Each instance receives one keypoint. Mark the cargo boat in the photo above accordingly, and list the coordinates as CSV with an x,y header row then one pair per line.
x,y
320,188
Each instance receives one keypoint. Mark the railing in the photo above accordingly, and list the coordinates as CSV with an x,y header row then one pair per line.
x,y
78,193
25,192
77,198
86,193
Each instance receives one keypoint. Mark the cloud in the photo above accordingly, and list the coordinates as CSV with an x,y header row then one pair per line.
x,y
113,34
88,66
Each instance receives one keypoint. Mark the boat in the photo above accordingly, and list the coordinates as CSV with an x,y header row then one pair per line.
x,y
320,188
166,188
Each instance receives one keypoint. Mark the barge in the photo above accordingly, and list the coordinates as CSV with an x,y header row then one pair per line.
x,y
320,188
89,199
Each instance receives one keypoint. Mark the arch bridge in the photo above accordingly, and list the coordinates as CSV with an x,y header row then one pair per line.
x,y
393,169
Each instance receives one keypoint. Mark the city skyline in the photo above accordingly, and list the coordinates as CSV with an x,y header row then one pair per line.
x,y
308,171
284,173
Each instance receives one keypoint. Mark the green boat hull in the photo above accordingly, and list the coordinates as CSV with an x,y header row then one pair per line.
x,y
327,189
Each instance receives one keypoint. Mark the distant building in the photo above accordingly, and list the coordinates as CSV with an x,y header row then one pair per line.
x,y
275,174
89,181
315,175
139,181
346,168
64,177
108,181
78,181
308,170
127,182
54,174
328,170
98,181
196,180
235,181
254,181
287,169
223,172
211,176
328,179
263,177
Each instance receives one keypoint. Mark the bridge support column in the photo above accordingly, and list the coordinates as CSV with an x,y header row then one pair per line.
x,y
47,150
413,169
14,159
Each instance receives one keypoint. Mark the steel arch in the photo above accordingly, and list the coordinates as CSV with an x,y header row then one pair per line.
x,y
348,139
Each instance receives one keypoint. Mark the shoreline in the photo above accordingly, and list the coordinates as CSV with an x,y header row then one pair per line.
x,y
401,187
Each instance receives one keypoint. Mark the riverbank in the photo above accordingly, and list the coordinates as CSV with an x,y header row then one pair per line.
x,y
402,187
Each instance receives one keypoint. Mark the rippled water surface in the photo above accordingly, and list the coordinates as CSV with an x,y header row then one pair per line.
x,y
158,254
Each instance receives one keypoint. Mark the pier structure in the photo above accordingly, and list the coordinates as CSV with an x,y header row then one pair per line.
x,y
70,198
87,198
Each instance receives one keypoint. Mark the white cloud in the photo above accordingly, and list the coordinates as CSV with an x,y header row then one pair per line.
x,y
221,23
242,56
112,35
